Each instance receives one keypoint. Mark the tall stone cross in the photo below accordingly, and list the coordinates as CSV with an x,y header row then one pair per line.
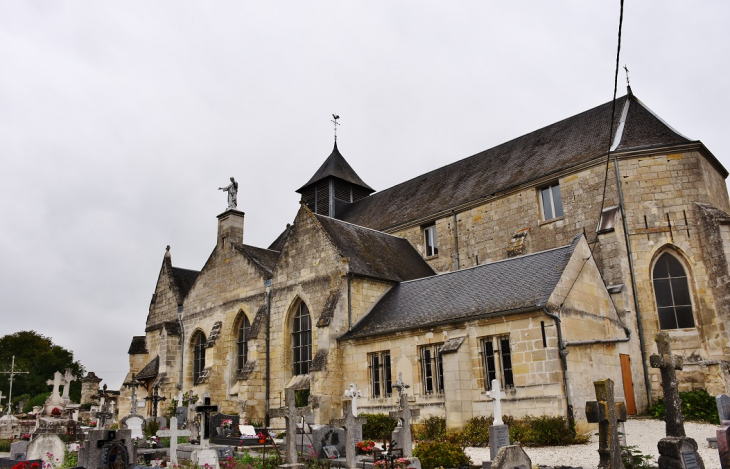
x,y
155,398
497,394
134,384
206,409
1,400
173,433
400,385
291,413
353,393
67,378
404,415
56,382
607,413
349,423
667,364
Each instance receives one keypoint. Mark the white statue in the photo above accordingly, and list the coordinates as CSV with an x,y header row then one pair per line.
x,y
232,190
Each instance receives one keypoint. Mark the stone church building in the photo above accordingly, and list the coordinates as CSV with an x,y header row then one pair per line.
x,y
510,264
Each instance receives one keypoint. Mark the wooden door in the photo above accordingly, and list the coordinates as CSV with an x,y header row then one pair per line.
x,y
628,384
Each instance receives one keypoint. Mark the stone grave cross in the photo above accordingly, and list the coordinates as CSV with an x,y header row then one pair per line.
x,y
291,413
668,364
67,378
56,382
173,433
400,385
155,398
103,414
206,409
353,393
497,394
607,413
134,384
349,423
404,415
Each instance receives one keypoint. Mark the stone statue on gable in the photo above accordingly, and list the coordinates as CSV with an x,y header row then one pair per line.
x,y
232,190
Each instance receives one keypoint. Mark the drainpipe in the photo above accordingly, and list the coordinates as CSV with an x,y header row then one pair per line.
x,y
349,302
456,240
267,284
597,341
647,383
182,348
563,352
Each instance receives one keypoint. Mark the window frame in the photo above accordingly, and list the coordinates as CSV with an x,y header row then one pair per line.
x,y
673,283
380,371
198,357
551,191
430,234
432,368
244,327
301,328
496,352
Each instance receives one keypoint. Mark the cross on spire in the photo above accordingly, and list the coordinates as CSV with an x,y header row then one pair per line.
x,y
335,117
12,374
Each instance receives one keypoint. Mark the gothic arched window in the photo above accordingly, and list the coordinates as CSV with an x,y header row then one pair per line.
x,y
198,357
301,340
242,342
671,289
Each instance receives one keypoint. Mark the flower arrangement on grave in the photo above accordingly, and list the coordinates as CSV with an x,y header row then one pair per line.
x,y
25,436
262,438
92,424
56,411
401,463
26,465
227,423
152,441
364,447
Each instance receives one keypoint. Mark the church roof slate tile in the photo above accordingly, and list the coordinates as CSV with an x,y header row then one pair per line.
x,y
184,279
559,146
336,166
150,370
374,254
515,284
265,258
138,345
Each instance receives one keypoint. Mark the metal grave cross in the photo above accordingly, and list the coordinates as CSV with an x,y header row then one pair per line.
x,y
134,384
667,364
400,385
497,394
155,398
206,409
353,393
349,423
12,374
607,413
291,413
404,415
173,433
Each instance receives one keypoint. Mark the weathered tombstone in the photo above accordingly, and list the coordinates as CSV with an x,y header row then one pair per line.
x,y
498,432
330,452
511,457
402,435
107,448
323,435
676,450
291,413
173,433
135,423
351,424
18,450
607,413
207,458
216,423
181,413
723,446
47,447
723,409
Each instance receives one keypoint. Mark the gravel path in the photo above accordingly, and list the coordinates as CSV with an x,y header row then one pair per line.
x,y
643,433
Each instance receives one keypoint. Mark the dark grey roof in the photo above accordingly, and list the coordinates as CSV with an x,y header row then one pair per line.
x,y
184,279
150,370
375,254
278,243
265,259
515,284
138,345
559,146
336,166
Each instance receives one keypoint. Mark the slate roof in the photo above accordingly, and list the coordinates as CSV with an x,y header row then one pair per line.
x,y
150,370
278,243
264,258
138,345
559,146
515,284
336,166
375,254
184,279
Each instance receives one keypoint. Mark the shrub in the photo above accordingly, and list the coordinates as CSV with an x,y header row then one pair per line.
x,y
476,432
38,400
150,429
697,405
440,454
433,428
378,427
5,446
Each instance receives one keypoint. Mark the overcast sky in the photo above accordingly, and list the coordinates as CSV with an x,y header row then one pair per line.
x,y
119,121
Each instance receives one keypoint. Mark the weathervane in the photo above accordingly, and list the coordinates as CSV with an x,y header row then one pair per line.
x,y
627,75
334,121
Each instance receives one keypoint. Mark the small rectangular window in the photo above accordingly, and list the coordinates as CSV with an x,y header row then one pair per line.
x,y
380,382
497,361
551,202
431,241
432,369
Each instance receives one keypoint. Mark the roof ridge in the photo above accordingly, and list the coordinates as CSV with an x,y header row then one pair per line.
x,y
360,226
183,268
256,247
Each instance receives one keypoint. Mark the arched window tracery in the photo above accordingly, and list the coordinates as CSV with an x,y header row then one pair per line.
x,y
671,290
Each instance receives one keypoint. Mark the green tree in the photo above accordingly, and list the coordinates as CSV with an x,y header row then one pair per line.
x,y
41,358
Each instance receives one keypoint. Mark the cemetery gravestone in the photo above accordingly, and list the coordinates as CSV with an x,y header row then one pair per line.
x,y
134,423
291,413
403,431
206,409
181,413
512,457
723,409
207,458
108,449
607,414
723,432
18,450
173,433
676,450
330,452
499,432
216,423
47,447
350,424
